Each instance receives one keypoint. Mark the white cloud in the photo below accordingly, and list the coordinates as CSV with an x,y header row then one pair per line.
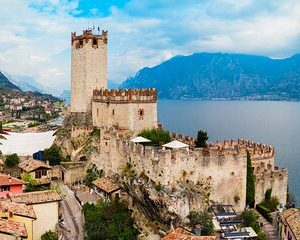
x,y
35,34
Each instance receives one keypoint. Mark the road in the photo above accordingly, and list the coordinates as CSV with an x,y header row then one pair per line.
x,y
72,215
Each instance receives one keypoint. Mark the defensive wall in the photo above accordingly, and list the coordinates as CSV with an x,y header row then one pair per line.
x,y
133,109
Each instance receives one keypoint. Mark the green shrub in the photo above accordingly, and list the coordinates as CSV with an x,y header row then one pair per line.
x,y
49,235
33,124
201,139
250,186
128,171
204,219
12,160
250,218
157,136
53,155
268,195
91,175
109,221
158,187
265,212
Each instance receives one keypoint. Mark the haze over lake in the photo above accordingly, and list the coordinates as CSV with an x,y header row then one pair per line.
x,y
274,123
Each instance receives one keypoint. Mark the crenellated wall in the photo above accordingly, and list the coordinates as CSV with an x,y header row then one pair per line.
x,y
270,176
131,109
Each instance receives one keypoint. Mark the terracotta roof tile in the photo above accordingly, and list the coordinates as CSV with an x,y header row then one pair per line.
x,y
37,197
31,165
292,218
183,234
13,228
19,209
6,180
106,184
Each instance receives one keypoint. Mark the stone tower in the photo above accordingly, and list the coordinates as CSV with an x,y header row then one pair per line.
x,y
88,68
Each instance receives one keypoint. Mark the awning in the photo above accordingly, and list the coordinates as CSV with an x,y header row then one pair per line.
x,y
175,144
140,140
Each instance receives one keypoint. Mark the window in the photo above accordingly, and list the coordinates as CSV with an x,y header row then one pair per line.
x,y
97,112
40,173
5,188
113,112
94,41
141,114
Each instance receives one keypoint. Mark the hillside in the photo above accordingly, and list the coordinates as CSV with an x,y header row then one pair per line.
x,y
7,88
5,83
222,76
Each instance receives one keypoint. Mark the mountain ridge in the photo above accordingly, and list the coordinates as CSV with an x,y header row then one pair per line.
x,y
222,76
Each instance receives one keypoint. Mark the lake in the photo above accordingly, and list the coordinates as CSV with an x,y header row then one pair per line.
x,y
274,123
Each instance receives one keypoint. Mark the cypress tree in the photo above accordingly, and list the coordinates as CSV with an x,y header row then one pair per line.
x,y
250,187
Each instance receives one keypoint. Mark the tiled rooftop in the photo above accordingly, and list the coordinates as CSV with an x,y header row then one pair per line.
x,y
19,209
37,197
183,234
13,228
6,180
31,165
292,218
106,184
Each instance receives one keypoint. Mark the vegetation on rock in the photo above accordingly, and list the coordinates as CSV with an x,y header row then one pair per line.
x,y
109,221
91,175
204,219
49,235
157,136
202,138
250,186
12,160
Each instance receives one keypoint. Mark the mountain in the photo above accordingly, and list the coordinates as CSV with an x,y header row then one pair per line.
x,y
23,85
5,83
222,76
10,86
26,83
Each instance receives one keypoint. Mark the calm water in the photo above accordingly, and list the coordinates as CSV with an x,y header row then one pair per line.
x,y
275,123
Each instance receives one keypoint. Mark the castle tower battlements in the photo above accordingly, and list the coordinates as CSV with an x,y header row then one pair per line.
x,y
122,96
88,68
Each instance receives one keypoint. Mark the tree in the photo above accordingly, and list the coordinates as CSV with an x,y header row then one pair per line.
x,y
204,219
250,186
12,160
2,133
91,175
157,136
250,218
49,235
53,155
201,139
109,221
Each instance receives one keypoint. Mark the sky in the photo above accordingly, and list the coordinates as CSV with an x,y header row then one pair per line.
x,y
35,34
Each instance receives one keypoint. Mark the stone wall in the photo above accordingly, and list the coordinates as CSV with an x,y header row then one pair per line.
x,y
267,176
221,173
130,109
89,68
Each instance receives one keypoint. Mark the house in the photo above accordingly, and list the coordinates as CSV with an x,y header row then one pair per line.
x,y
12,230
19,212
39,171
107,188
45,205
181,233
289,224
10,185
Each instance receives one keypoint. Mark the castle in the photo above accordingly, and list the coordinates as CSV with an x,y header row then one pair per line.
x,y
220,170
131,109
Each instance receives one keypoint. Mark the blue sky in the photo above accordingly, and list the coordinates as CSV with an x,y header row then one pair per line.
x,y
35,34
